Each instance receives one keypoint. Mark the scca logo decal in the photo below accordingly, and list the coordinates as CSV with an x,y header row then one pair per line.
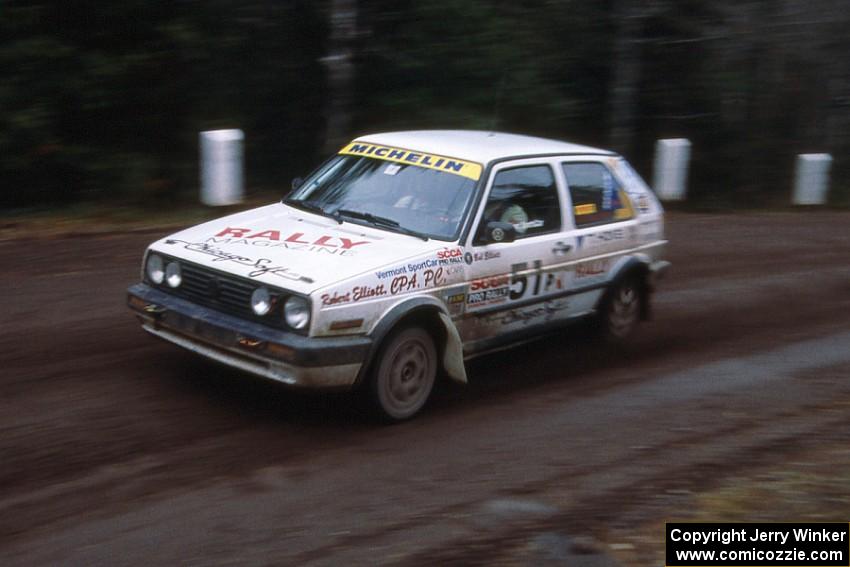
x,y
449,253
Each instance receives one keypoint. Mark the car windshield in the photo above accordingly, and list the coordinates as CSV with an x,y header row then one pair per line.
x,y
389,195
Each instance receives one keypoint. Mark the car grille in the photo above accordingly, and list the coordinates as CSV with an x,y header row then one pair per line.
x,y
220,291
215,289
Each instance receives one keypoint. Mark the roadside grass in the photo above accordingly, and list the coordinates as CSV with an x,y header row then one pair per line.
x,y
814,487
810,486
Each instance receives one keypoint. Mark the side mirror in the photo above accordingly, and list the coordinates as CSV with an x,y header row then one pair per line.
x,y
499,232
297,182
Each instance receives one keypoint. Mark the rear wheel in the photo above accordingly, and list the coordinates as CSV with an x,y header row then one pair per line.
x,y
404,374
620,312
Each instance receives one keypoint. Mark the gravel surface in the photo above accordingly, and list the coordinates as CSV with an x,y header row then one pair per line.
x,y
118,449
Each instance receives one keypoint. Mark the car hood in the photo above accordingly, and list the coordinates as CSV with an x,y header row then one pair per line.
x,y
284,247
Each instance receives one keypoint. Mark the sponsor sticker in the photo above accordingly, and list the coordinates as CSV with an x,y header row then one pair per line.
x,y
586,209
588,240
450,255
488,291
337,245
455,300
406,281
259,266
488,296
470,257
526,315
468,169
592,269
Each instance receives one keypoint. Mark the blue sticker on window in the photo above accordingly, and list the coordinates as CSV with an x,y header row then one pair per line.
x,y
607,191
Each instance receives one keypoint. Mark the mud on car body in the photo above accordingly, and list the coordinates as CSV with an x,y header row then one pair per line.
x,y
406,254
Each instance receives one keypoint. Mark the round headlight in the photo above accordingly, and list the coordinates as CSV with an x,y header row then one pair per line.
x,y
155,269
296,311
173,274
261,301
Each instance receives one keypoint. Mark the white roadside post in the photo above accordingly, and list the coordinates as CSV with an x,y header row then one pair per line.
x,y
671,169
812,180
222,181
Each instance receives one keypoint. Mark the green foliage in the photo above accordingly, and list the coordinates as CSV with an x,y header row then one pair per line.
x,y
104,100
478,64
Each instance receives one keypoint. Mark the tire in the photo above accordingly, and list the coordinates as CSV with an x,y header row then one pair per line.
x,y
620,313
403,375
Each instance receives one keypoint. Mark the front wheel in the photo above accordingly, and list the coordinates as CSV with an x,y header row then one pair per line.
x,y
620,312
404,374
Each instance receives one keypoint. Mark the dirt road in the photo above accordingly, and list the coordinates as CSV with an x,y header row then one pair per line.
x,y
118,449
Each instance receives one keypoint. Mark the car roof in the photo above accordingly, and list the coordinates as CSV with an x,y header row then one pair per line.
x,y
477,145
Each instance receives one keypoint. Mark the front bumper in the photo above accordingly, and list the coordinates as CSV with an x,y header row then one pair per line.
x,y
313,362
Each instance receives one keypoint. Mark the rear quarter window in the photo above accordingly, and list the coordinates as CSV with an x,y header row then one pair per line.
x,y
597,196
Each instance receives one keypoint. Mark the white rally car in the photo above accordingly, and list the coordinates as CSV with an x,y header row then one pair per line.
x,y
406,254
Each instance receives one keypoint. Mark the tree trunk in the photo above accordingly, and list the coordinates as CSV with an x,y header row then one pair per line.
x,y
625,75
340,72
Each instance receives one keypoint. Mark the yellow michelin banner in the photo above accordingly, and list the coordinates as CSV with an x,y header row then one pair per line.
x,y
455,166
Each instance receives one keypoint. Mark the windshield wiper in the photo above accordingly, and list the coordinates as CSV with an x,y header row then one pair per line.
x,y
383,222
311,207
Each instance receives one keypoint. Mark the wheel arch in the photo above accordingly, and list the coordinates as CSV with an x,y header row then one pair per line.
x,y
431,315
637,267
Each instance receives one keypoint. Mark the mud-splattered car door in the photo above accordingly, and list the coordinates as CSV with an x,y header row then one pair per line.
x,y
512,286
605,228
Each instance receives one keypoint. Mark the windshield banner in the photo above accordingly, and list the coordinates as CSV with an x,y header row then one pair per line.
x,y
431,161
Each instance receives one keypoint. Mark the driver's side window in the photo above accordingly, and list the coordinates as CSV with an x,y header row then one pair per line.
x,y
526,197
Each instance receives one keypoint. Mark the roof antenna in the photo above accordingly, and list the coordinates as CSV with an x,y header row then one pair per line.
x,y
497,103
